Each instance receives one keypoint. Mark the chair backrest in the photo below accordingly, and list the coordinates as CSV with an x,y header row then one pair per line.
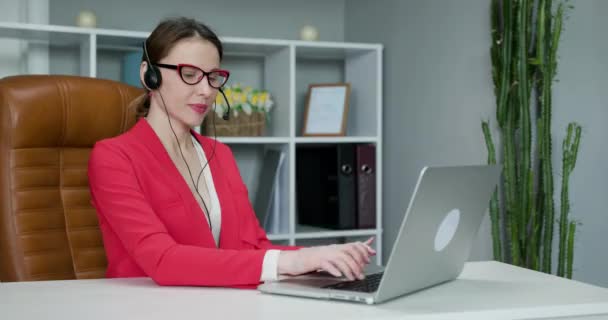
x,y
48,125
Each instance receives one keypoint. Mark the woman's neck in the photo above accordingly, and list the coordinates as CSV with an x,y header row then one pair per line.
x,y
160,125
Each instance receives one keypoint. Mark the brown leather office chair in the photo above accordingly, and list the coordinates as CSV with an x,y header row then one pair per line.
x,y
48,125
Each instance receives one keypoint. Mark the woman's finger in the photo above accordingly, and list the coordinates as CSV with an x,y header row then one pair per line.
x,y
355,268
367,244
329,267
362,248
339,261
357,251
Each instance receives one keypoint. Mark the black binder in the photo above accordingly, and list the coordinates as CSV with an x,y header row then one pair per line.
x,y
326,186
347,187
366,186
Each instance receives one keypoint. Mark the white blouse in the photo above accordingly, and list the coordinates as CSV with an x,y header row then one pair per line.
x,y
271,258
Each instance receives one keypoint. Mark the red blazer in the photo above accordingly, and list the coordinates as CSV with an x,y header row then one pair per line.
x,y
153,226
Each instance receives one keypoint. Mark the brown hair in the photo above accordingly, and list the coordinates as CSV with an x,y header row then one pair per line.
x,y
166,34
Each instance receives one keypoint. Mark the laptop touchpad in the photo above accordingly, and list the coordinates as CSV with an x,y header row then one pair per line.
x,y
315,282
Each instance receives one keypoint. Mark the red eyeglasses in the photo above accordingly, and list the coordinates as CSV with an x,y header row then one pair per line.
x,y
192,74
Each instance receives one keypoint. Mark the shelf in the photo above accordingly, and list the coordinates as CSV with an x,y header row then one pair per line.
x,y
321,140
358,65
310,232
54,35
122,41
254,140
304,46
232,48
285,68
31,28
233,45
298,140
332,50
127,40
278,237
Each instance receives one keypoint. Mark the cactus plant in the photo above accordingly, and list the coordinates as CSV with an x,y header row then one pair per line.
x,y
525,39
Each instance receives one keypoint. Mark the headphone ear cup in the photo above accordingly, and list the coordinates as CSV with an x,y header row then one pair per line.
x,y
152,77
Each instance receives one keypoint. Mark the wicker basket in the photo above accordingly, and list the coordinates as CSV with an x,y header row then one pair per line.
x,y
237,126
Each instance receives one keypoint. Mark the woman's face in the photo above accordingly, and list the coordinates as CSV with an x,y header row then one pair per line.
x,y
185,103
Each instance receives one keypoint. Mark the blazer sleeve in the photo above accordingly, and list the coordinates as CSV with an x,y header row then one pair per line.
x,y
119,200
245,207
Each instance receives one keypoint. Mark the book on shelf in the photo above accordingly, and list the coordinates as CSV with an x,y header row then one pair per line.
x,y
267,203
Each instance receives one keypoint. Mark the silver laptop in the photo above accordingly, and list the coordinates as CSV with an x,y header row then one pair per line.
x,y
433,244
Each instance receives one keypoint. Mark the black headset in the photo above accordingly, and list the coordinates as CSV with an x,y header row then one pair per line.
x,y
153,80
152,76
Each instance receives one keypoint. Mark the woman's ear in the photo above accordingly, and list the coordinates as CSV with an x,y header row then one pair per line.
x,y
142,71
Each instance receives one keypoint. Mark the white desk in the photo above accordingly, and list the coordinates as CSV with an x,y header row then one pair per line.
x,y
485,290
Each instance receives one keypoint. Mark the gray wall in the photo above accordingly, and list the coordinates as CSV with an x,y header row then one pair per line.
x,y
437,89
280,19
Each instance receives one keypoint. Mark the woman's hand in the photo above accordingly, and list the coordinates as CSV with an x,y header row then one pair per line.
x,y
339,259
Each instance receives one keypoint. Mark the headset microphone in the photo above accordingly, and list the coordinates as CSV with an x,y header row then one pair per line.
x,y
226,115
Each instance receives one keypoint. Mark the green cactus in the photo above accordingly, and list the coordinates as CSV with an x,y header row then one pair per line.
x,y
570,152
494,213
570,254
524,55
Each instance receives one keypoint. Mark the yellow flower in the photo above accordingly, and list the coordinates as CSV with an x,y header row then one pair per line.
x,y
244,99
263,98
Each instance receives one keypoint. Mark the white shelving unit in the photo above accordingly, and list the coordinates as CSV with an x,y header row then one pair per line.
x,y
283,67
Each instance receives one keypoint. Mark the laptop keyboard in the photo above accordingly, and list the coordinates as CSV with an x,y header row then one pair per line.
x,y
369,284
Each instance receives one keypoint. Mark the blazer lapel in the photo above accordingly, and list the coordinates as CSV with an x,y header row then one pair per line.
x,y
230,229
146,135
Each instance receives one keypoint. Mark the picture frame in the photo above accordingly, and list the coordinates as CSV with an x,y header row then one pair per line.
x,y
326,109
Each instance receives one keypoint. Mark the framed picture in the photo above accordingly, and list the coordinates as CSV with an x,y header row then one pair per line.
x,y
326,109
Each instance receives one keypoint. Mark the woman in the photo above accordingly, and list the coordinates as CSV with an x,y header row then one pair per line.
x,y
171,203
